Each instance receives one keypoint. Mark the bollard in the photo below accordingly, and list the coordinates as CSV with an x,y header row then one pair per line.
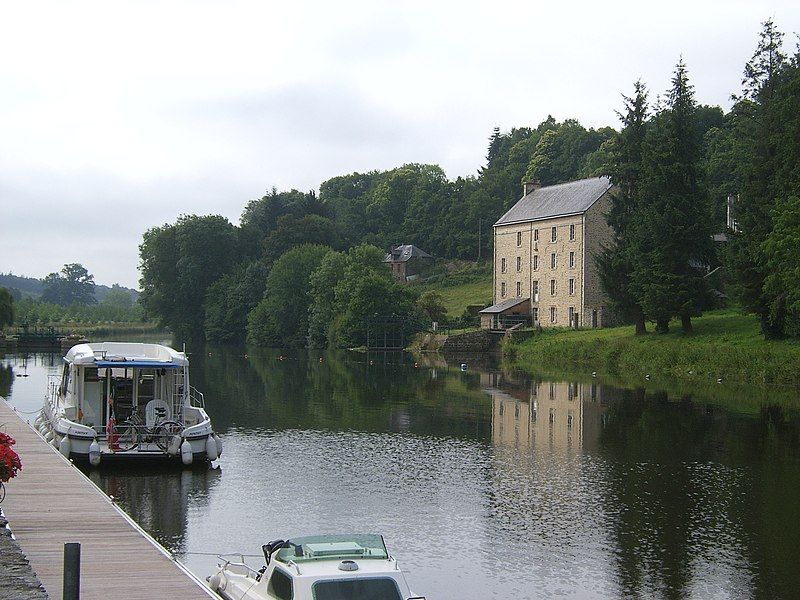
x,y
72,571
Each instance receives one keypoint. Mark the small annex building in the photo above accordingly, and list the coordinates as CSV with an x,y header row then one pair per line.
x,y
544,253
408,262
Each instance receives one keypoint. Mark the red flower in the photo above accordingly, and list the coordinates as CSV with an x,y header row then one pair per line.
x,y
9,463
6,440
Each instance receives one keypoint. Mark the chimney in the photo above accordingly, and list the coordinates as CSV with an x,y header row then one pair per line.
x,y
531,186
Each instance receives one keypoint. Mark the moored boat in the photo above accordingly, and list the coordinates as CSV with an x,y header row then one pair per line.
x,y
323,567
117,400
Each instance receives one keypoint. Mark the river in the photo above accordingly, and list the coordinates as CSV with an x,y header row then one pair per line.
x,y
484,484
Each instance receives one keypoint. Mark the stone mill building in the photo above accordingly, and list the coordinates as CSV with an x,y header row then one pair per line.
x,y
545,272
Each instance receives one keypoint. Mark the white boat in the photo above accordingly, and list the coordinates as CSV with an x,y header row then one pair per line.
x,y
323,567
116,400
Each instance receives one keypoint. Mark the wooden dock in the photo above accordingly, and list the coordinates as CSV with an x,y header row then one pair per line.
x,y
51,502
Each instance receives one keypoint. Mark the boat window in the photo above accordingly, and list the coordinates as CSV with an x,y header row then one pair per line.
x,y
64,379
375,588
280,585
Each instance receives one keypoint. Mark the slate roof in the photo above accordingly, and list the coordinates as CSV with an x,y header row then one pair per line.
x,y
572,198
504,305
404,253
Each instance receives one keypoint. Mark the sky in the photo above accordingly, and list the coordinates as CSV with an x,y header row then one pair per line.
x,y
116,117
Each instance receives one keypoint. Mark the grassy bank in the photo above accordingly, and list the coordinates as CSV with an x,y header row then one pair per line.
x,y
725,344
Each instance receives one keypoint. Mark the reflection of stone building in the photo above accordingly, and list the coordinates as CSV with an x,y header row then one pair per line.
x,y
552,415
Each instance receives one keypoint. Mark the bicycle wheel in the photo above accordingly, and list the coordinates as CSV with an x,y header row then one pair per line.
x,y
2,492
127,436
164,433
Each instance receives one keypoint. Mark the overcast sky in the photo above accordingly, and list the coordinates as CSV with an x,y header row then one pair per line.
x,y
119,116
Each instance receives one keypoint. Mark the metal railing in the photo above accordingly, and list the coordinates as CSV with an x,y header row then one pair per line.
x,y
196,398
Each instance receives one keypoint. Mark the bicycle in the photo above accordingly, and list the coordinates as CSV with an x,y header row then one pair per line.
x,y
134,430
2,492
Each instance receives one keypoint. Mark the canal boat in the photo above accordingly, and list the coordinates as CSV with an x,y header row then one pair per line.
x,y
323,567
132,401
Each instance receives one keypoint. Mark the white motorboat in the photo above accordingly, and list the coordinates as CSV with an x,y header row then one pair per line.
x,y
116,400
323,567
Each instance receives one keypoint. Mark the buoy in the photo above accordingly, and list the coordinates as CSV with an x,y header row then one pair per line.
x,y
64,446
594,373
211,448
416,365
174,447
463,366
48,437
217,582
320,359
647,377
94,453
719,380
219,444
186,452
37,421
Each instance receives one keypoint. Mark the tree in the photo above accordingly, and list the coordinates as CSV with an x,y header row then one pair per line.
x,y
118,297
178,264
281,318
618,261
231,298
771,88
782,249
73,285
432,304
673,233
6,308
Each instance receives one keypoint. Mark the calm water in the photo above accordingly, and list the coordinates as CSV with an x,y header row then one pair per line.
x,y
484,485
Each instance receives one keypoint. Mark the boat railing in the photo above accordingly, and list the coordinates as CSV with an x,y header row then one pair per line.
x,y
242,567
196,398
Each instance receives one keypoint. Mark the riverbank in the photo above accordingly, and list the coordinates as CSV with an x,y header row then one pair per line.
x,y
725,345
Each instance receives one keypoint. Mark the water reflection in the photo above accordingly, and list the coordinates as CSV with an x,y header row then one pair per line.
x,y
486,485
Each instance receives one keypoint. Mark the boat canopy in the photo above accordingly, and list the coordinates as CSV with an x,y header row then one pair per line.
x,y
122,355
327,547
139,364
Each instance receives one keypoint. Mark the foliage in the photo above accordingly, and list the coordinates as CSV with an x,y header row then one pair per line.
x,y
10,464
432,304
782,283
6,308
36,312
73,285
231,298
179,263
281,318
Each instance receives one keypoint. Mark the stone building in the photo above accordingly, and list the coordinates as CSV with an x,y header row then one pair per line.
x,y
544,249
408,262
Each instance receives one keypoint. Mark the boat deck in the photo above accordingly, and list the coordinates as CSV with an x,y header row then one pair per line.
x,y
51,502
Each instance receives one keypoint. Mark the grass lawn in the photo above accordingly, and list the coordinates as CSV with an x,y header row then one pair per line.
x,y
725,344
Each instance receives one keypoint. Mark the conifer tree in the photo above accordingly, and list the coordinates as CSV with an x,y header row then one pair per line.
x,y
616,262
673,236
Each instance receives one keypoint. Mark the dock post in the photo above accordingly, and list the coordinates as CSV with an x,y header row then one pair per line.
x,y
72,571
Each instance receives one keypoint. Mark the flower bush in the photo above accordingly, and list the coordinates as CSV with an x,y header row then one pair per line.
x,y
9,460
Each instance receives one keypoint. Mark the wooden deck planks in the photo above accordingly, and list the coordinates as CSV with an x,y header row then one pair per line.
x,y
51,502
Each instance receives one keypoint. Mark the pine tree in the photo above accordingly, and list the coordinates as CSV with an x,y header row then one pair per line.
x,y
616,262
673,236
762,77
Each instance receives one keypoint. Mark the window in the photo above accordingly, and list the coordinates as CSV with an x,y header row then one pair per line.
x,y
553,234
280,585
535,315
553,260
572,232
519,289
552,314
503,290
535,262
519,238
552,287
535,235
535,289
502,265
519,264
572,319
372,588
571,287
571,260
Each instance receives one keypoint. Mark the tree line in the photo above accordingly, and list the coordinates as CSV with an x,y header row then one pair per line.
x,y
305,268
674,163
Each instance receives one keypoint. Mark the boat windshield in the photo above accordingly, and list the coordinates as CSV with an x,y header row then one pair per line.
x,y
327,547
